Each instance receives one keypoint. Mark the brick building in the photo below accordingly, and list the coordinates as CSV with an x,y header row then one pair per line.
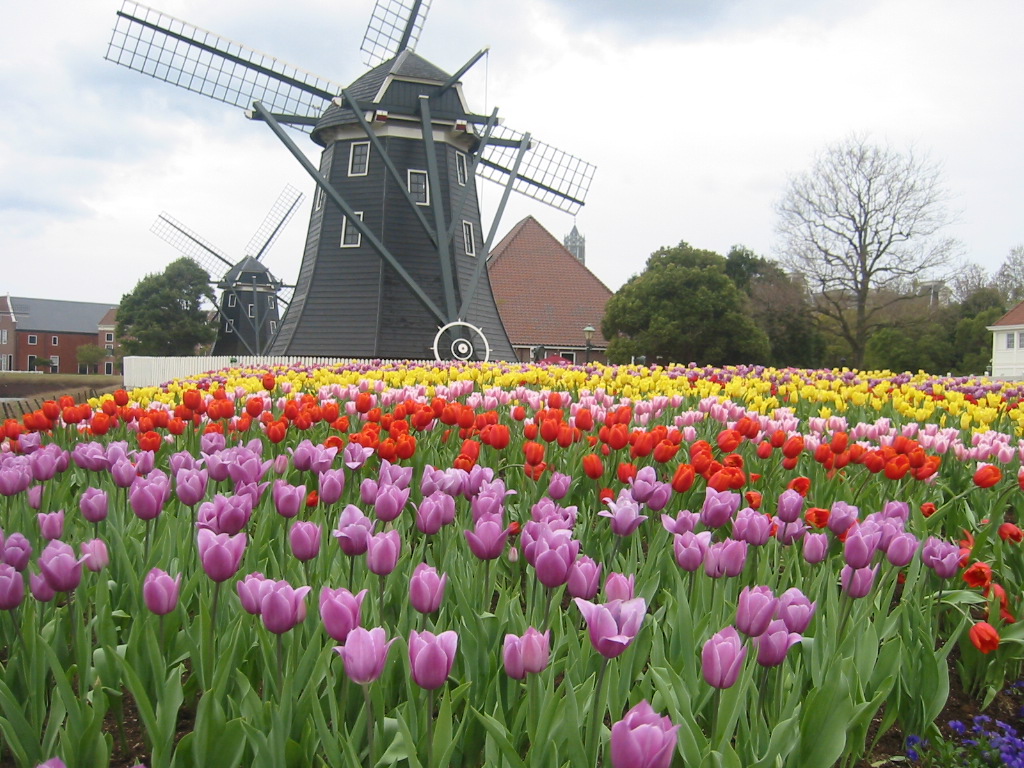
x,y
36,329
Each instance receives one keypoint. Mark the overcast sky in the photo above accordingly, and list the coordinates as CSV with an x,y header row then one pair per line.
x,y
695,113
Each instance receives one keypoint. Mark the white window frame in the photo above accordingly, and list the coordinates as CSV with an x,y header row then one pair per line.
x,y
110,348
3,335
352,158
110,338
32,340
273,327
54,363
271,302
108,369
229,327
426,186
344,232
30,363
469,238
251,310
54,341
232,300
1009,339
461,168
318,198
569,355
1020,340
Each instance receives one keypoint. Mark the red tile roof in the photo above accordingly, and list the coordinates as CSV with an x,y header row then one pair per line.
x,y
544,295
1014,317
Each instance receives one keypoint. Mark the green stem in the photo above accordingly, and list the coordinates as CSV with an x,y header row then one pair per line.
x,y
371,758
280,665
430,729
593,749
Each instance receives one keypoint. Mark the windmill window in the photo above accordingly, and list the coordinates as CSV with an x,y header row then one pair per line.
x,y
419,190
318,199
230,327
54,340
252,310
273,327
461,173
467,235
271,303
32,340
359,158
232,299
350,236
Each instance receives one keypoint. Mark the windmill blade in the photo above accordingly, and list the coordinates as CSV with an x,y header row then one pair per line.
x,y
188,243
546,173
279,215
176,52
285,293
395,25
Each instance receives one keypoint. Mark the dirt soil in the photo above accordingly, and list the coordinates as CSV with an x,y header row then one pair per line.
x,y
33,388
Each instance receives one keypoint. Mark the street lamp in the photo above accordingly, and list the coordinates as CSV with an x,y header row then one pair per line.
x,y
588,334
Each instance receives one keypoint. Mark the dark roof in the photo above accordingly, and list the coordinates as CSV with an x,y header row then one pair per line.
x,y
544,295
407,65
244,271
1014,317
53,315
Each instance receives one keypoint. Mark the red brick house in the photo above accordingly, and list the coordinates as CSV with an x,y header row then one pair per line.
x,y
546,296
50,329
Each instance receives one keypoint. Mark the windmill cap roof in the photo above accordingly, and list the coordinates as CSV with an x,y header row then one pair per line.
x,y
245,270
408,65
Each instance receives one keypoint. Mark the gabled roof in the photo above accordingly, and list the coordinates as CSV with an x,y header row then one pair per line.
x,y
1014,317
544,295
52,315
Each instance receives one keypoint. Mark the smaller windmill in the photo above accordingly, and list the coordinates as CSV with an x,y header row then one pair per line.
x,y
250,296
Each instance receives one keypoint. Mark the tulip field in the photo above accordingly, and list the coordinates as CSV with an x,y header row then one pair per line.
x,y
506,565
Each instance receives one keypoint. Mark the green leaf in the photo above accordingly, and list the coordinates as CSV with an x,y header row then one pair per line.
x,y
500,734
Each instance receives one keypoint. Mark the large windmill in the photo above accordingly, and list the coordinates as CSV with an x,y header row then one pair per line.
x,y
395,257
249,295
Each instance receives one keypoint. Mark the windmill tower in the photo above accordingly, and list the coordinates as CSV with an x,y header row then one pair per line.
x,y
248,307
395,259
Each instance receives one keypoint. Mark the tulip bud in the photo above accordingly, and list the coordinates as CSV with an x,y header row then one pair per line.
x,y
426,588
364,654
431,657
94,555
160,592
304,538
341,611
643,739
722,658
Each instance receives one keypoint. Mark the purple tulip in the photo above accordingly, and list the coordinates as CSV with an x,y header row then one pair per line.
x,y
691,549
382,551
217,465
94,555
246,466
40,588
394,474
755,610
857,582
123,473
181,460
390,502
619,587
773,644
355,455
211,442
353,531
59,566
942,557
434,512
624,514
160,592
787,533
752,527
791,504
53,762
282,607
719,507
17,551
147,496
43,464
431,481
860,546
90,456
795,609
553,556
487,507
190,485
896,510
30,442
12,587
93,504
902,548
304,539
368,491
288,498
364,654
842,517
331,485
250,592
642,739
35,496
51,524
309,457
431,657
527,654
722,658
487,539
725,558
14,478
815,547
220,554
558,485
584,578
612,626
643,484
341,611
426,588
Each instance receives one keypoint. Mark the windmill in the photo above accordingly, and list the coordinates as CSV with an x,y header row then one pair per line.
x,y
249,295
395,257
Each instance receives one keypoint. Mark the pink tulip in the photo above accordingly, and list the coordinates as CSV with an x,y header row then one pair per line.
x,y
364,654
431,657
613,626
341,611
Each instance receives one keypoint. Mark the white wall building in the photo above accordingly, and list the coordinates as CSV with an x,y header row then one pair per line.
x,y
1008,345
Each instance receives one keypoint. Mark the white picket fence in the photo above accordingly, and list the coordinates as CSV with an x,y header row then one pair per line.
x,y
154,371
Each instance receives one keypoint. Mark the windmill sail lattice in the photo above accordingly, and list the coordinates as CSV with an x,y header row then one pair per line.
x,y
395,249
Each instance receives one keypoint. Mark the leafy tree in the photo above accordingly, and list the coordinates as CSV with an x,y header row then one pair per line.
x,y
683,308
163,315
90,355
859,225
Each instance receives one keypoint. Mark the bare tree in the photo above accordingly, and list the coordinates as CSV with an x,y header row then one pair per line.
x,y
968,278
1010,277
860,226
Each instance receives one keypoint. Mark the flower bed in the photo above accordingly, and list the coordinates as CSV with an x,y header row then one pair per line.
x,y
484,564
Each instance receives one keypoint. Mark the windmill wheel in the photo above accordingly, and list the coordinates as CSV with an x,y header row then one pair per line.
x,y
461,341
